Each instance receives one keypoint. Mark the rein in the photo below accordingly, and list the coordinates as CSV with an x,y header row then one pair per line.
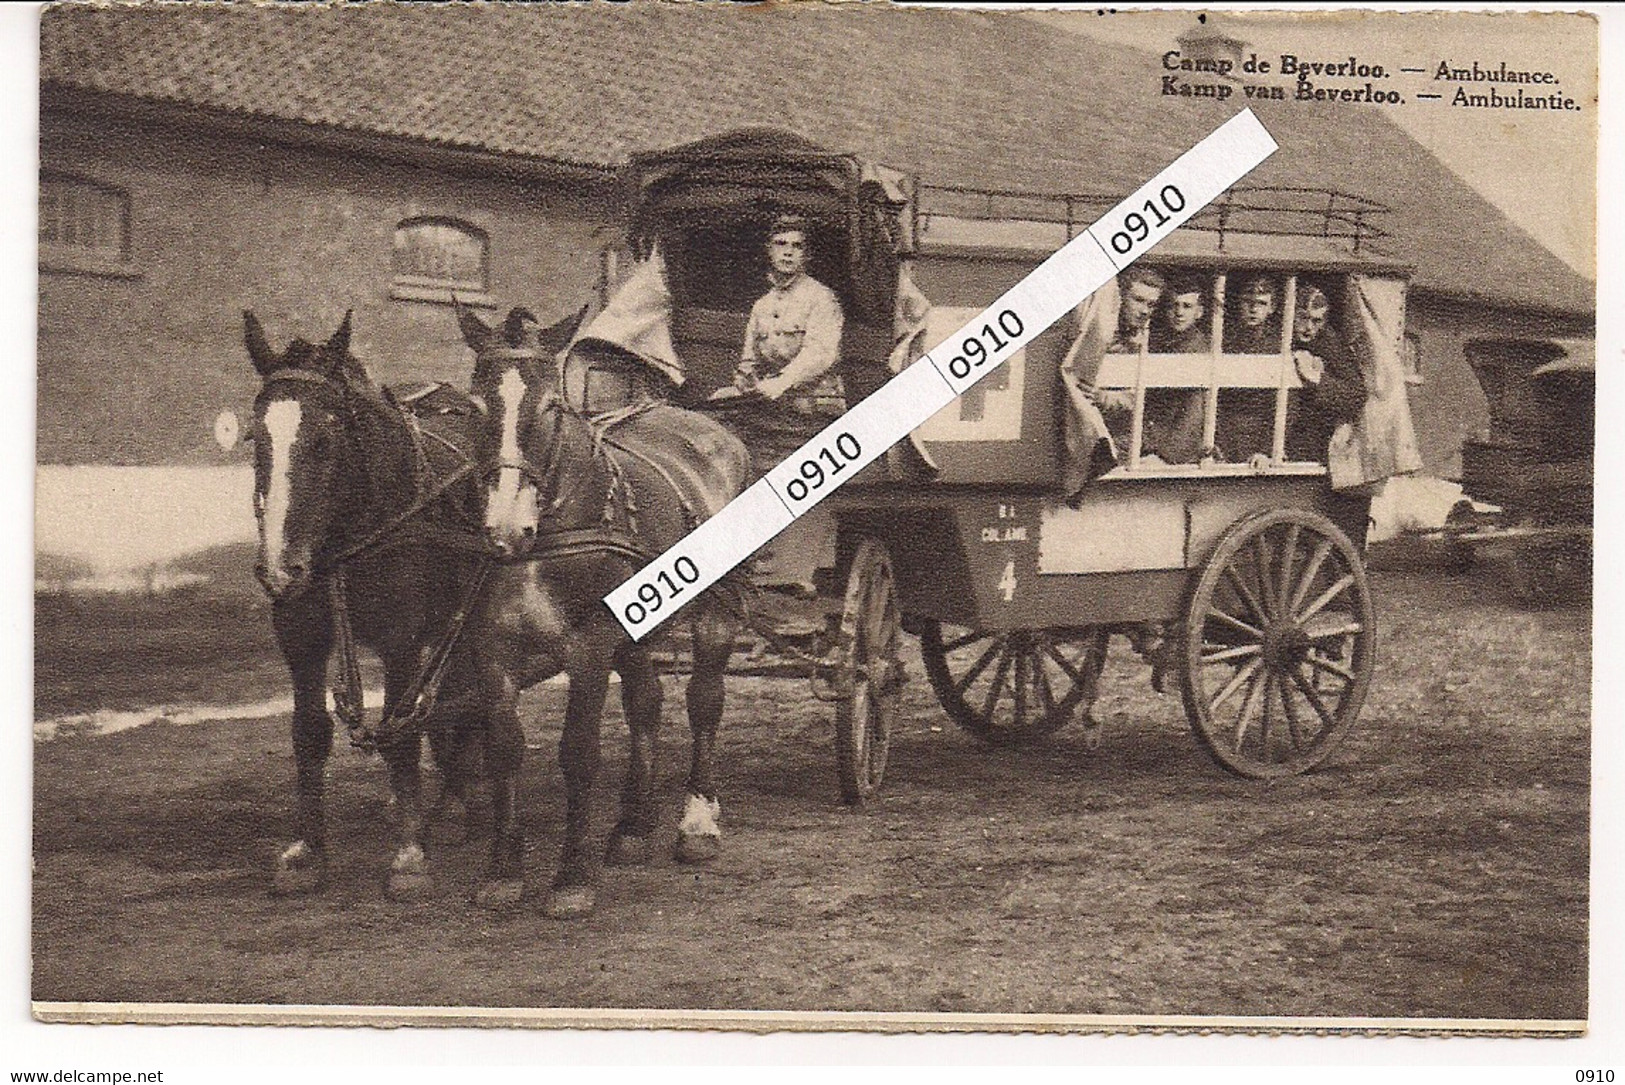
x,y
415,705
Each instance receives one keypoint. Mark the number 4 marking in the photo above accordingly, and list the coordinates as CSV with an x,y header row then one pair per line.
x,y
1007,582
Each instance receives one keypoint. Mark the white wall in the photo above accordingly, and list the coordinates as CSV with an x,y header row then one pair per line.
x,y
120,528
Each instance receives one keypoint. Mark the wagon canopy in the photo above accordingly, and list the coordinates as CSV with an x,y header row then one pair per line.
x,y
706,206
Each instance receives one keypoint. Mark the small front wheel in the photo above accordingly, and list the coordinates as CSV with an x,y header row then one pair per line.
x,y
869,672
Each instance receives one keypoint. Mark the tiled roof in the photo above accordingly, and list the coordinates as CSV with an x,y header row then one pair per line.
x,y
990,100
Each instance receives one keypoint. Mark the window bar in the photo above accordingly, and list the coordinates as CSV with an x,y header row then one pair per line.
x,y
1210,414
1289,314
1137,426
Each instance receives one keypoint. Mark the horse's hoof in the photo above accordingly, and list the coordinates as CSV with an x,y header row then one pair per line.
x,y
297,881
408,885
300,869
697,848
569,902
699,837
408,874
500,893
627,850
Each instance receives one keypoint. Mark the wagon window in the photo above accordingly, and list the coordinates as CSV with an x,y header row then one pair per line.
x,y
433,258
84,226
1170,398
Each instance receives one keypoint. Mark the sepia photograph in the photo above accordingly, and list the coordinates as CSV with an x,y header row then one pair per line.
x,y
814,516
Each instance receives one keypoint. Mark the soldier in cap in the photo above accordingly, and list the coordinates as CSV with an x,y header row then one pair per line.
x,y
793,338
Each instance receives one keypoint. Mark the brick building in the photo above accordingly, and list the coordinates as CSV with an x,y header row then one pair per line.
x,y
197,161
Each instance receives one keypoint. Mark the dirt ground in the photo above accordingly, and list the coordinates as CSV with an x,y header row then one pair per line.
x,y
1436,867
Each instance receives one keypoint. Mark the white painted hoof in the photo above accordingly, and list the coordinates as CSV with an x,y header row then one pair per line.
x,y
627,850
299,870
699,836
408,874
500,894
569,902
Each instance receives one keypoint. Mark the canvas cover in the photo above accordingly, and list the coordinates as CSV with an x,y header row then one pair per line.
x,y
637,319
1382,441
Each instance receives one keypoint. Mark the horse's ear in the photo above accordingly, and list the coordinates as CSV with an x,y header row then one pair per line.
x,y
475,332
339,344
554,339
259,351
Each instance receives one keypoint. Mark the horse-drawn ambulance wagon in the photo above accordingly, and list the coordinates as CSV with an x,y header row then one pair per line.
x,y
1131,471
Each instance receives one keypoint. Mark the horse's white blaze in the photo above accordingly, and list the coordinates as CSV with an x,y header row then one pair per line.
x,y
282,426
509,507
700,817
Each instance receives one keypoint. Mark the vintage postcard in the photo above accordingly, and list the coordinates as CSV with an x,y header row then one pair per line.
x,y
1218,658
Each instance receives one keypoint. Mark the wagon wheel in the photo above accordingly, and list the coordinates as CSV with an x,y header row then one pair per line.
x,y
1013,687
870,673
1279,644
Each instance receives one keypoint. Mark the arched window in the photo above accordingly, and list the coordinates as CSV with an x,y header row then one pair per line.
x,y
435,257
84,226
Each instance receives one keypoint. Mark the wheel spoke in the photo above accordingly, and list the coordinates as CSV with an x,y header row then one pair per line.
x,y
1248,703
1314,699
1235,683
1310,571
1003,669
1325,597
1347,629
960,642
1236,623
1072,672
1259,613
1262,561
1268,727
1330,667
1020,653
1293,724
1238,652
1041,680
1289,554
978,667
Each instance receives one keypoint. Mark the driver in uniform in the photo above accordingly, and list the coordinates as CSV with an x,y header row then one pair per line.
x,y
793,337
787,369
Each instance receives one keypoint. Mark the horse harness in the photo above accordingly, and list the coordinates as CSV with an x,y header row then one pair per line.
x,y
347,695
420,699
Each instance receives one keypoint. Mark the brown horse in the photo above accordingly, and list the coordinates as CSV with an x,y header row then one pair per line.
x,y
347,481
584,504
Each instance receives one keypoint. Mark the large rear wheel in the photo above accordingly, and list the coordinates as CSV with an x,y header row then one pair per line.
x,y
1017,686
1279,644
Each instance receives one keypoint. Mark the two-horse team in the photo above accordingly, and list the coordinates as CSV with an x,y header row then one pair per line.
x,y
504,517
